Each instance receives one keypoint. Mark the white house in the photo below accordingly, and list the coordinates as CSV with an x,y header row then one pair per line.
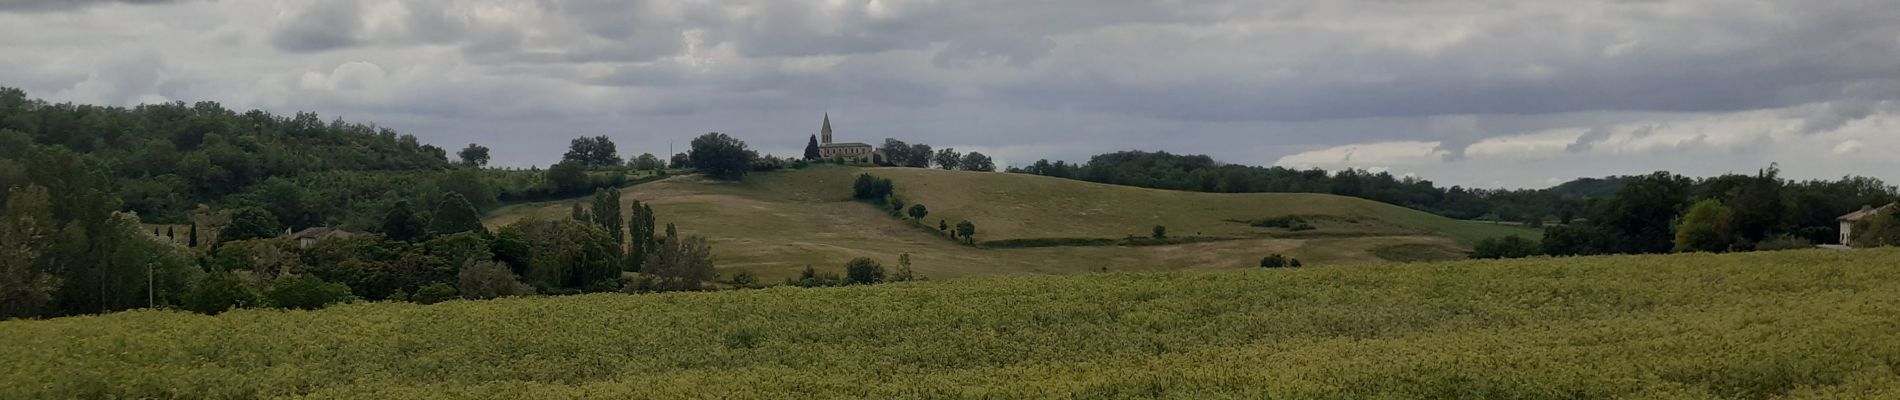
x,y
1847,221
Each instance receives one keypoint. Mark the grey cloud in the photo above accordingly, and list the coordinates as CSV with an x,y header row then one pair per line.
x,y
64,5
323,26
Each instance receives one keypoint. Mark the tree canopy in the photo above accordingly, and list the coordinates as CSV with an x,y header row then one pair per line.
x,y
720,156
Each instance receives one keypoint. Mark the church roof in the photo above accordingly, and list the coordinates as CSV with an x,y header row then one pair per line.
x,y
827,128
844,145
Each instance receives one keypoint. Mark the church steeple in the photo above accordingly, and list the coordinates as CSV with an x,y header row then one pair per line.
x,y
826,131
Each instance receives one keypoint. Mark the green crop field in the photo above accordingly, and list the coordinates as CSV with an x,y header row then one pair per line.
x,y
775,224
1797,324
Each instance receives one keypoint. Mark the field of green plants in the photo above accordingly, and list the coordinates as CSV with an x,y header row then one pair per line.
x,y
1796,324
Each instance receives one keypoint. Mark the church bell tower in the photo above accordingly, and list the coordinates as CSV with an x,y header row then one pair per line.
x,y
825,133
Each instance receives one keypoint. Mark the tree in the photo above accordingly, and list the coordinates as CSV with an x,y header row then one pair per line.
x,y
568,178
918,211
606,214
943,225
863,271
1876,230
949,158
579,213
679,160
918,156
1160,232
1506,247
403,224
469,183
642,240
592,152
680,263
306,293
219,292
721,157
568,255
903,272
871,188
1707,227
967,231
811,149
250,223
488,280
647,162
1638,218
474,155
27,286
1568,240
455,215
978,162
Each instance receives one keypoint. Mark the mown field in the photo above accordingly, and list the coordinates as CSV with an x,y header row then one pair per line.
x,y
1799,324
776,224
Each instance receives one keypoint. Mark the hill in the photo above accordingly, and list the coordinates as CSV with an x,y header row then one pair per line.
x,y
775,224
1800,324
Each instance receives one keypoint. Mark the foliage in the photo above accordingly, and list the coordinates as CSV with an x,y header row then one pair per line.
x,y
948,158
967,231
646,162
917,212
721,157
567,254
643,238
489,280
1290,222
455,215
1160,232
403,223
1505,247
1876,229
306,293
863,271
474,155
975,161
435,293
871,188
605,213
1706,227
680,263
568,178
1704,326
811,149
1784,242
811,278
744,279
1274,261
592,152
250,223
1568,240
219,292
906,155
903,272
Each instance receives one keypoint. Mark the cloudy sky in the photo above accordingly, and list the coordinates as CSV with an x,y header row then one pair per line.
x,y
1503,93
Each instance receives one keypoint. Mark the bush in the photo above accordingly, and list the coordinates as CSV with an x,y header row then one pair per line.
x,y
871,188
435,293
488,280
1160,232
1507,247
1278,261
811,278
306,293
744,279
863,271
219,292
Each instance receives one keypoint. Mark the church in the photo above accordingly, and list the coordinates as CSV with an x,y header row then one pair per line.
x,y
851,152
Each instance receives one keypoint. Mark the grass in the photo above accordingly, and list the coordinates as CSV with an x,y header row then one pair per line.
x,y
1794,324
776,224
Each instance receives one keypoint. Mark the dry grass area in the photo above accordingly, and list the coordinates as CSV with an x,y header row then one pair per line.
x,y
775,224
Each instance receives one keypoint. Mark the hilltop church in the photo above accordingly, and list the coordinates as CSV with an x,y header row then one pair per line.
x,y
852,152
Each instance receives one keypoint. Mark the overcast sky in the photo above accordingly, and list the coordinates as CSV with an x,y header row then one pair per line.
x,y
1502,93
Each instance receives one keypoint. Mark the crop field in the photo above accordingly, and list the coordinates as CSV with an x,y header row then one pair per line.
x,y
776,224
1796,324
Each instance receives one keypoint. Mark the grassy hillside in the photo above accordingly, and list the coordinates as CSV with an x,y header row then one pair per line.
x,y
775,224
1801,324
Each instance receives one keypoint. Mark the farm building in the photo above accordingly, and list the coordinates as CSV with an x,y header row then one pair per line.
x,y
1847,221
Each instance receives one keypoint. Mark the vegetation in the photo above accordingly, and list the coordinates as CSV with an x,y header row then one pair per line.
x,y
1706,228
1505,247
721,157
1800,324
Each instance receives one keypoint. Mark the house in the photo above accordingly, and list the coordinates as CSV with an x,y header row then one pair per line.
x,y
853,152
1847,221
310,236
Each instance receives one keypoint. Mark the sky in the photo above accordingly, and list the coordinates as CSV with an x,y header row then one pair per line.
x,y
1478,93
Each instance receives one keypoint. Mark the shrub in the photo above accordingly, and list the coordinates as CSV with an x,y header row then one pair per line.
x,y
811,278
744,279
1273,261
869,188
1160,232
435,293
1506,247
863,271
306,293
488,280
1706,227
217,293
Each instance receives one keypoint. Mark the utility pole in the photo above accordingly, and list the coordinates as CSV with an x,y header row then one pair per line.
x,y
149,296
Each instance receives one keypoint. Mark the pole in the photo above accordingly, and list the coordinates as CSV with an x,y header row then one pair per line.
x,y
149,296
